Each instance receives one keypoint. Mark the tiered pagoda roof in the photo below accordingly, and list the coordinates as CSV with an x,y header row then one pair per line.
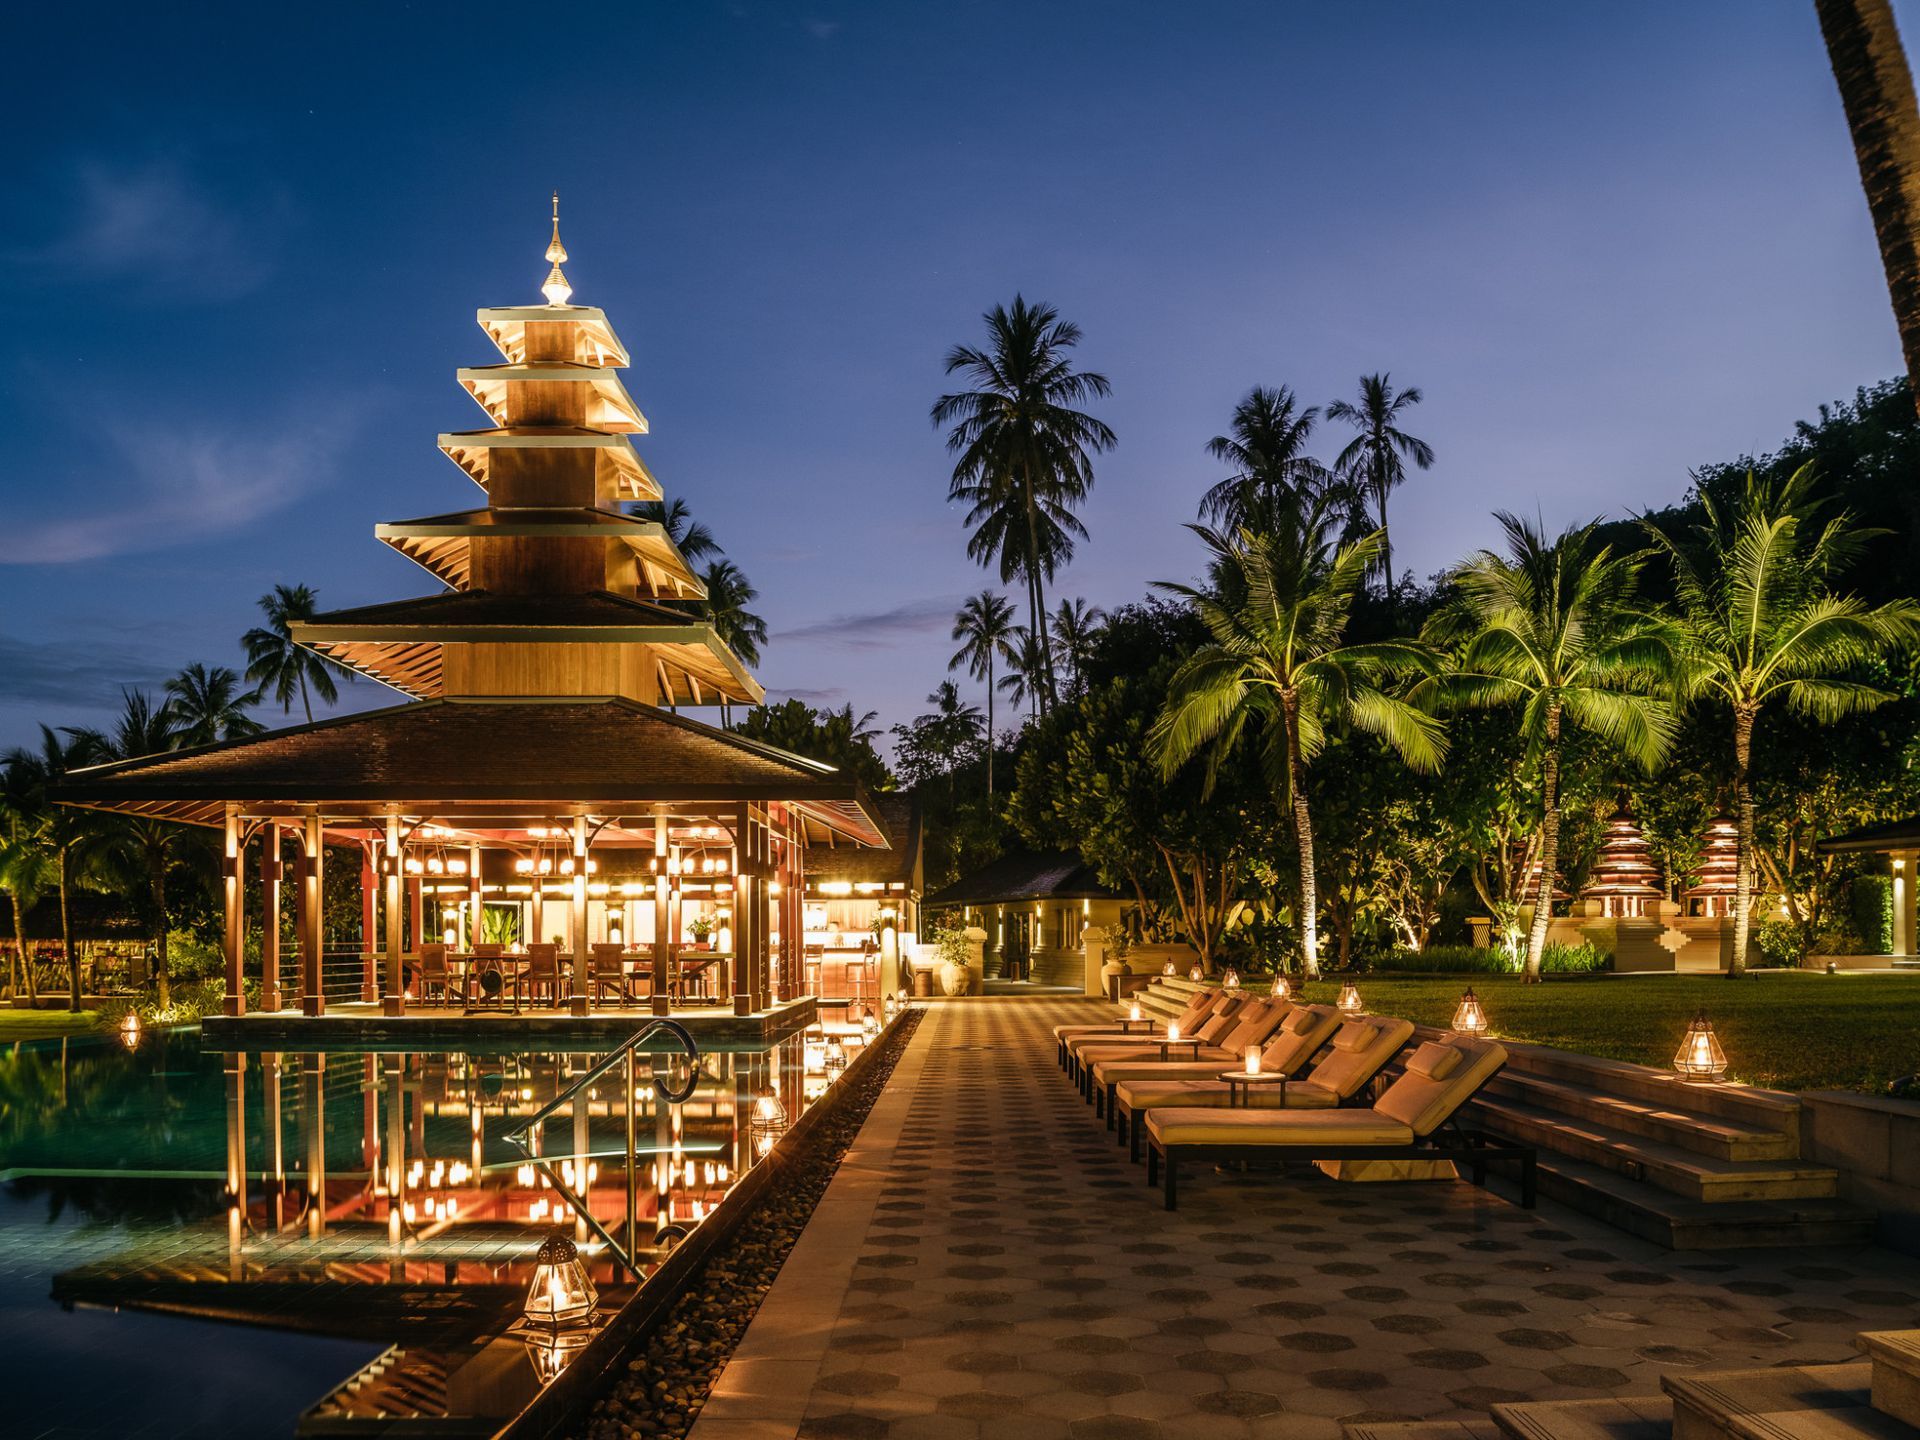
x,y
1624,878
578,596
1716,878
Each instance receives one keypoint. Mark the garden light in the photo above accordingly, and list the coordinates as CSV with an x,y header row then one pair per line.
x,y
1700,1059
1349,1003
1282,989
1230,980
1470,1018
561,1294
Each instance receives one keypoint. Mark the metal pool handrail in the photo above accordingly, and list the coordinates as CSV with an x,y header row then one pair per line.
x,y
527,1136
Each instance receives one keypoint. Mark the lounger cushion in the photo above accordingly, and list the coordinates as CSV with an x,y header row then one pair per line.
x,y
1150,1092
1354,1035
1219,1022
1424,1104
1278,1129
1302,1019
1212,1061
1257,1024
1434,1061
1347,1071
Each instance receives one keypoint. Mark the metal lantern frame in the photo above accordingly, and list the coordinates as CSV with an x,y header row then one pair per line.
x,y
1470,1017
1700,1060
561,1293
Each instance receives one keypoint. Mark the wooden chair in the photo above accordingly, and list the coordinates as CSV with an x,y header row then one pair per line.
x,y
543,971
610,971
435,972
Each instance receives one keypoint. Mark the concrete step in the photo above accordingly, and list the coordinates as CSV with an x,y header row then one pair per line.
x,y
1743,1104
1895,1357
1787,1402
1685,1173
1679,1224
1421,1430
1684,1129
1629,1418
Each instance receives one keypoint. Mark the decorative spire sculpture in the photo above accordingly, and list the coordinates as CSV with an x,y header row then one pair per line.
x,y
1716,876
1624,879
557,290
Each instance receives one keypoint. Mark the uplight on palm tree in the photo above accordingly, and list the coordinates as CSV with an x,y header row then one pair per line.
x,y
26,862
1277,672
1554,627
1375,460
1024,453
1761,623
278,664
985,628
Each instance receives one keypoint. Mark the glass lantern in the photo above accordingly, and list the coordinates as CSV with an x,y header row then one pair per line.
x,y
1700,1058
130,1030
767,1123
1195,973
1282,987
836,1056
561,1293
1167,969
1230,980
869,1026
1470,1018
1350,999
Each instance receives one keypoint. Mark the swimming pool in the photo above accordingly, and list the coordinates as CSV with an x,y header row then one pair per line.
x,y
197,1242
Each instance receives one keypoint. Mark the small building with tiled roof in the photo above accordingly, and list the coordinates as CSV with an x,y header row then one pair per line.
x,y
1034,908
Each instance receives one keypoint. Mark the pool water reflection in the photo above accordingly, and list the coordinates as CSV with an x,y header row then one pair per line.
x,y
363,1212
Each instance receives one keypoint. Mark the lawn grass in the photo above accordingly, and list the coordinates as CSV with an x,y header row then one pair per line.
x,y
17,1025
1787,1029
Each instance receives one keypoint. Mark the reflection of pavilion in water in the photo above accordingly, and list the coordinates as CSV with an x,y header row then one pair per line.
x,y
375,1197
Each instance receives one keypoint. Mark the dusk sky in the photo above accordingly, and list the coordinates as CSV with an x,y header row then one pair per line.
x,y
244,247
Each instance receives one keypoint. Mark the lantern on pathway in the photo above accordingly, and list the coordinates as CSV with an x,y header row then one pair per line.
x,y
561,1294
1195,973
1700,1058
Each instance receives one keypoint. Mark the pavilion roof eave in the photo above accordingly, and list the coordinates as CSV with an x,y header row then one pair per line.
x,y
506,328
1889,835
472,451
439,544
616,409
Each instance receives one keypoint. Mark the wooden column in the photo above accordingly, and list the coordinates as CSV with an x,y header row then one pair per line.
x,y
742,929
582,971
416,913
394,1000
476,905
270,916
313,1114
662,908
369,925
313,941
233,863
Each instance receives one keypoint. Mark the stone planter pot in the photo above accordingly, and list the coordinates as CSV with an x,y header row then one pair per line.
x,y
955,979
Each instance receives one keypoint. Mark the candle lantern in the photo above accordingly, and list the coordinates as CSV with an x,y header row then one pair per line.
x,y
561,1293
836,1056
1253,1059
1282,987
1195,973
1133,1013
1350,999
1173,1029
1167,969
1230,980
1469,1018
1700,1058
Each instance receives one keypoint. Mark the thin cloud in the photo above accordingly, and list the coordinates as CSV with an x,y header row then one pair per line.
x,y
157,230
880,629
66,673
823,29
165,486
831,698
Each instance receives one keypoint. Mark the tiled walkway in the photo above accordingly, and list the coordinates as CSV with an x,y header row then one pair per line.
x,y
987,1263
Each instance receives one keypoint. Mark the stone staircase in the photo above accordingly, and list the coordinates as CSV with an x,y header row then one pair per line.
x,y
1690,1167
1877,1398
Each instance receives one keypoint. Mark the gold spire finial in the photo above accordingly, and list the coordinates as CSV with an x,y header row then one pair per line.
x,y
557,290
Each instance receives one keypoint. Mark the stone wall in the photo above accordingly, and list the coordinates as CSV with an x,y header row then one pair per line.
x,y
1874,1142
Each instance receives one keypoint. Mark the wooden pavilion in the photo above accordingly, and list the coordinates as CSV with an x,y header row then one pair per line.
x,y
542,770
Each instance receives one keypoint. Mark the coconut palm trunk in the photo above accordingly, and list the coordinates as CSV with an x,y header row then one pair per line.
x,y
66,940
20,945
1549,846
1743,717
989,725
1036,593
1876,90
1303,839
157,889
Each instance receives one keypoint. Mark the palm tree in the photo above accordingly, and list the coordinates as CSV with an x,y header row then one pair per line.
x,y
1760,622
276,661
1876,91
693,540
985,628
1074,625
208,705
1266,445
64,830
26,866
729,592
1554,626
954,727
1026,678
1025,454
141,848
1277,664
1375,459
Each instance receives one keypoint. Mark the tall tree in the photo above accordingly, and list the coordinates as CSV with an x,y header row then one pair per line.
x,y
1026,678
141,849
277,663
1071,636
1555,627
1876,91
1024,453
693,540
839,737
1760,621
985,629
939,743
26,864
64,830
729,593
1278,671
208,705
1266,448
1375,460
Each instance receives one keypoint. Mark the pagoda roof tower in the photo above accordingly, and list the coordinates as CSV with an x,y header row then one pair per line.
x,y
553,587
1716,875
1624,878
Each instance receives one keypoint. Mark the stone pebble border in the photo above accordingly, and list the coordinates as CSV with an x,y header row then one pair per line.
x,y
661,1393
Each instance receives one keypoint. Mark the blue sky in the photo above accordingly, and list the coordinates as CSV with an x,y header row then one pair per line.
x,y
243,247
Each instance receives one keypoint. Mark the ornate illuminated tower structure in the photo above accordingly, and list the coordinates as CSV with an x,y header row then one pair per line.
x,y
553,587
1624,879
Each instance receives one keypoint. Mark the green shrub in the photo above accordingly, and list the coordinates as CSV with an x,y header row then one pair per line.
x,y
1780,942
1582,959
1445,960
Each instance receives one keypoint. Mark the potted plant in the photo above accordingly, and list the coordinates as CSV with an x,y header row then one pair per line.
x,y
950,950
700,927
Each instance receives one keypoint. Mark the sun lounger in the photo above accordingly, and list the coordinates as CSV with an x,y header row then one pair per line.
x,y
1197,1010
1212,1028
1361,1049
1286,1047
1412,1120
1224,1035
